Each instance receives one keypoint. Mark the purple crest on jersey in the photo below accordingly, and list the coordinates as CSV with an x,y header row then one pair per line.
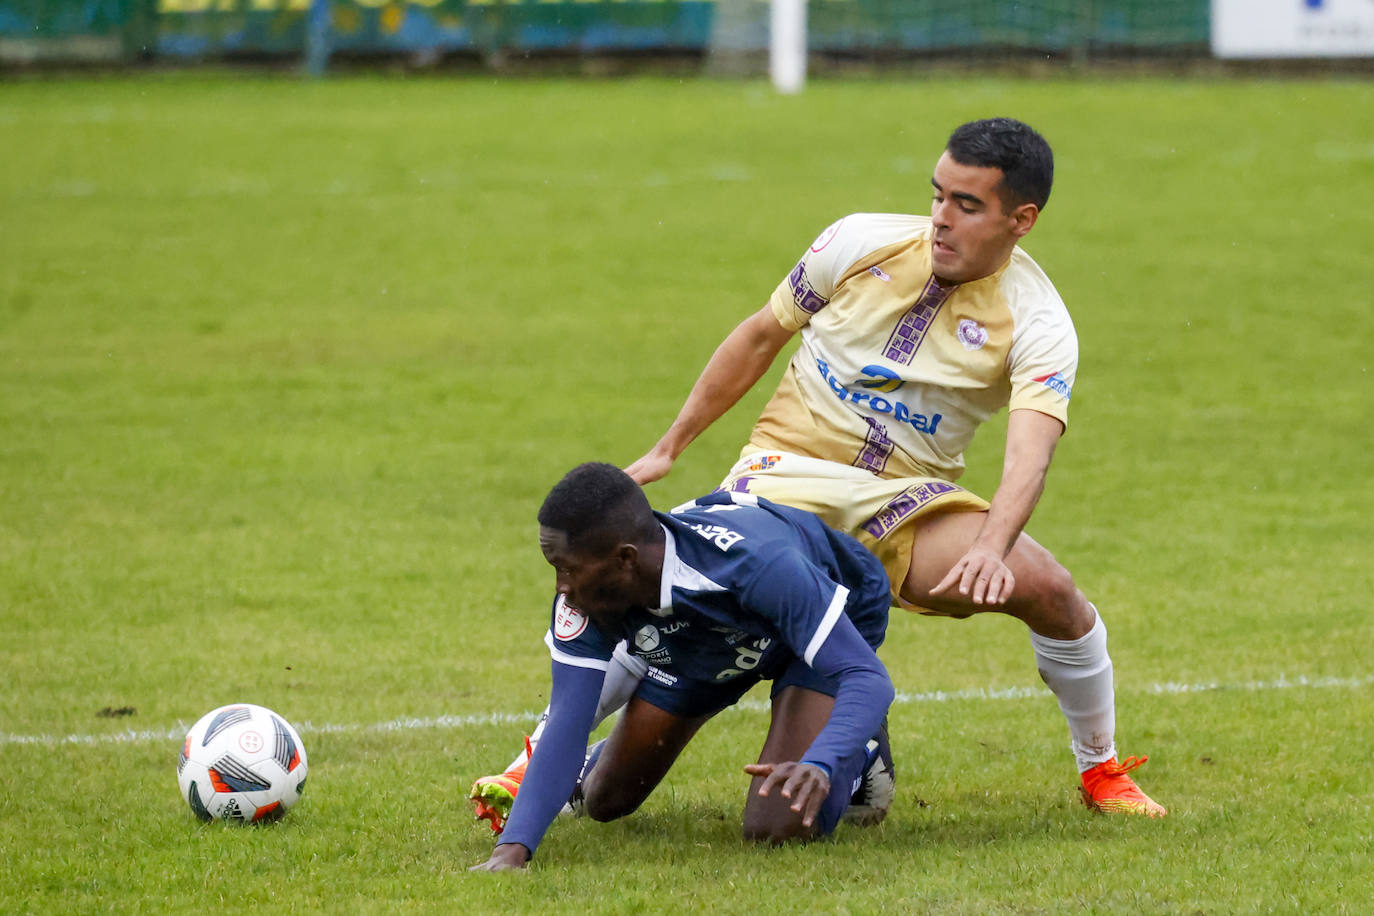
x,y
912,328
972,334
907,502
807,299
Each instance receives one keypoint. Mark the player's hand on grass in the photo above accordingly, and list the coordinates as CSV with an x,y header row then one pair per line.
x,y
806,784
506,857
655,465
981,576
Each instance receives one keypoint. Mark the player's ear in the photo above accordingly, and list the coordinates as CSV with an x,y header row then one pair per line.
x,y
1023,219
627,556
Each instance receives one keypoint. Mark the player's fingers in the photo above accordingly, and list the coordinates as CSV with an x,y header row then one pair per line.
x,y
795,787
765,770
813,807
973,583
810,798
648,469
989,585
792,781
777,778
782,782
978,588
950,578
1005,583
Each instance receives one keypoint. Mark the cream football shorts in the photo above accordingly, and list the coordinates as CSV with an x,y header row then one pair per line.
x,y
876,511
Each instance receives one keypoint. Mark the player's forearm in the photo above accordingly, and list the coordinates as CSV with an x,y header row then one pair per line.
x,y
552,772
864,695
861,702
1010,510
736,365
1031,438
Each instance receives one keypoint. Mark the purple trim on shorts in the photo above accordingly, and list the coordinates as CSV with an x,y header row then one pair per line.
x,y
806,298
903,505
912,328
877,448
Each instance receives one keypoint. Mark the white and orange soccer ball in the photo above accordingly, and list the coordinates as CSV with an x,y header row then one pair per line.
x,y
241,763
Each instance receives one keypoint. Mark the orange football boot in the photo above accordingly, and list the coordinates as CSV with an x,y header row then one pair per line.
x,y
1108,789
493,796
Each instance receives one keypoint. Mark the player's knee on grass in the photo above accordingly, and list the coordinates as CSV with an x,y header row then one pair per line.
x,y
771,820
775,831
605,801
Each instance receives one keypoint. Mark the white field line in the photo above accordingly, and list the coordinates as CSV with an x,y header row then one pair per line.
x,y
411,723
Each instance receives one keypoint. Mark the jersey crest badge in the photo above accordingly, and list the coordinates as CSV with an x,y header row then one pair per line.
x,y
568,621
972,334
824,238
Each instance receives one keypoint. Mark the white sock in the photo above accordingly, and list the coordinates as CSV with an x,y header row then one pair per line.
x,y
1079,671
622,679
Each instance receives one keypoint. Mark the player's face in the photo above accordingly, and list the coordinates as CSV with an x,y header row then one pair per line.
x,y
974,235
602,587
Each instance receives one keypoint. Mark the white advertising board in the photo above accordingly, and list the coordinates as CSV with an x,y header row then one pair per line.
x,y
1293,28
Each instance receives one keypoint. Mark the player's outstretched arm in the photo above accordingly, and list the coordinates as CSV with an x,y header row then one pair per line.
x,y
740,361
553,769
981,573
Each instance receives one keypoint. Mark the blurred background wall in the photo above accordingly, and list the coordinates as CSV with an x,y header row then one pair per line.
x,y
724,35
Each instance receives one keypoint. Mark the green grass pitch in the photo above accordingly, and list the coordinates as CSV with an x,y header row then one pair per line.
x,y
285,369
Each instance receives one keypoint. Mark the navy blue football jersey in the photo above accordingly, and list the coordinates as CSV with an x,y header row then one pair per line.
x,y
746,584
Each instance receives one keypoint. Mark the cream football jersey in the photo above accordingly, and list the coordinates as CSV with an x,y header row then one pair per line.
x,y
895,372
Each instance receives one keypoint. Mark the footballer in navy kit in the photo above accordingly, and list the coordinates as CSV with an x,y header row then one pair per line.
x,y
715,596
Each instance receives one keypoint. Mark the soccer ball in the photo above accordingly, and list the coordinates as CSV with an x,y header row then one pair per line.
x,y
241,763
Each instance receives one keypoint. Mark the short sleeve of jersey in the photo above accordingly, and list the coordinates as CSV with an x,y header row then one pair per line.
x,y
1043,360
828,260
573,640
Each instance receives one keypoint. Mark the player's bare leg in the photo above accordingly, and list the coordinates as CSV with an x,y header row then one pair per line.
x,y
1045,597
798,715
1067,635
639,752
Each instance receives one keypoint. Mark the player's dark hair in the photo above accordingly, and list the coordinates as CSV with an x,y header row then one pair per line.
x,y
598,506
1025,158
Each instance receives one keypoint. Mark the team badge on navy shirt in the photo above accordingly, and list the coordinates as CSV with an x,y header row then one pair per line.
x,y
568,621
